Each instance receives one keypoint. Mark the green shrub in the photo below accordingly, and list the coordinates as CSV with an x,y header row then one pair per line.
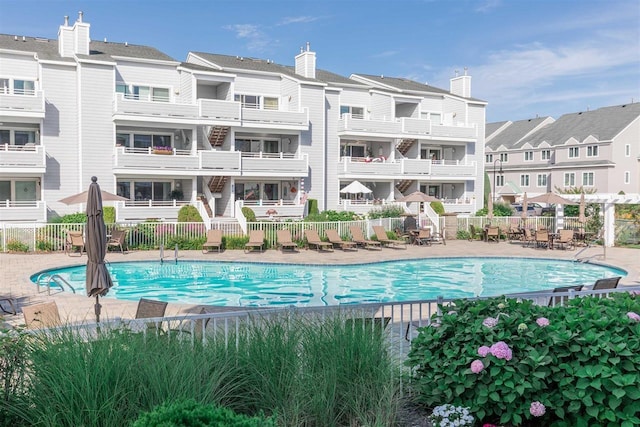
x,y
188,413
313,206
317,217
342,216
386,212
249,214
109,214
499,209
234,242
463,235
17,246
189,213
14,363
44,246
74,218
437,207
583,366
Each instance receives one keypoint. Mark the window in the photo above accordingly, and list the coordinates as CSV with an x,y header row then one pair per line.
x,y
247,191
489,158
24,87
524,180
627,177
587,179
145,190
574,152
504,157
545,155
569,179
592,151
143,93
528,156
436,118
258,145
5,137
147,140
4,86
271,191
356,112
160,94
257,102
499,181
19,136
542,180
627,150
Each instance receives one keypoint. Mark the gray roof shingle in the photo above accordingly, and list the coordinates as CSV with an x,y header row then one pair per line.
x,y
511,135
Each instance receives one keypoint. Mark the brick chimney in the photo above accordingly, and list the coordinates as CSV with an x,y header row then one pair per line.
x,y
73,40
306,63
461,85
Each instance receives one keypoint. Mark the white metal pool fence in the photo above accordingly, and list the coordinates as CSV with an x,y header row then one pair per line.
x,y
151,235
400,321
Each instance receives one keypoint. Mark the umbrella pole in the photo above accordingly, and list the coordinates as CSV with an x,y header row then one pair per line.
x,y
97,309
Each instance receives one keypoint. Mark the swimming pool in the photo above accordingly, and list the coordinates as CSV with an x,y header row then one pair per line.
x,y
261,284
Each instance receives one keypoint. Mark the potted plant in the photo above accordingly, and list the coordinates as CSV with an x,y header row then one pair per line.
x,y
176,194
162,150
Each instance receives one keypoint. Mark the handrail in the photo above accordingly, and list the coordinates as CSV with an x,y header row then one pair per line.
x,y
53,279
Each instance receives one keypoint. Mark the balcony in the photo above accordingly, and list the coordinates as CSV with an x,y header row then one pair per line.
x,y
220,111
22,159
28,104
127,108
275,119
31,211
149,209
404,127
282,208
406,168
275,164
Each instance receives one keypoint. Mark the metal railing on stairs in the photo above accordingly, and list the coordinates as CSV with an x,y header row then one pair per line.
x,y
56,279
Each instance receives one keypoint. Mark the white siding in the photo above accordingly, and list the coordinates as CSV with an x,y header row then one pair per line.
x,y
290,95
381,107
332,103
250,85
312,142
432,104
153,75
475,151
355,98
186,95
18,66
457,108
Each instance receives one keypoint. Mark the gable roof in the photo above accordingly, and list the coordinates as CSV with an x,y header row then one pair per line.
x,y
47,49
510,137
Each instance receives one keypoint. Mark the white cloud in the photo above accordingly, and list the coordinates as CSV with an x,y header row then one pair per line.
x,y
257,40
385,54
487,5
298,20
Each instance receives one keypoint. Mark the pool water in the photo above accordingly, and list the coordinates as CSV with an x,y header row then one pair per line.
x,y
260,284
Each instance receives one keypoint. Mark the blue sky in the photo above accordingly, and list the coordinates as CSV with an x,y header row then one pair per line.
x,y
526,57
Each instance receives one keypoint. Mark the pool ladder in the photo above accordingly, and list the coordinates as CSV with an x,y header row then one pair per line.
x,y
56,279
175,255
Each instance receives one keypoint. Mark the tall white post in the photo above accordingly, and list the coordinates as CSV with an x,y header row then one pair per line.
x,y
609,224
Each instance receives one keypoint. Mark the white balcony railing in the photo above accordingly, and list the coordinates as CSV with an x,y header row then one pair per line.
x,y
147,159
404,126
276,118
282,164
29,104
28,158
274,209
23,211
149,209
127,106
220,110
407,167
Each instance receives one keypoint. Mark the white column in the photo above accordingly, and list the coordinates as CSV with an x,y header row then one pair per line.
x,y
559,217
609,224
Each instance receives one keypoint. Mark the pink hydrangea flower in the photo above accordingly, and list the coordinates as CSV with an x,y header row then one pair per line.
x,y
633,316
537,409
489,425
490,322
483,351
477,366
543,322
501,350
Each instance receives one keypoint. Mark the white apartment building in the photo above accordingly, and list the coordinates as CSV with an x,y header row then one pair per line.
x,y
220,132
597,150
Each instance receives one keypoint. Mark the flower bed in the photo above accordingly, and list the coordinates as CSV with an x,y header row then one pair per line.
x,y
514,363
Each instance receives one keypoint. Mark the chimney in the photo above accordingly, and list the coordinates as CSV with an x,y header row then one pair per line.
x,y
73,40
461,85
306,63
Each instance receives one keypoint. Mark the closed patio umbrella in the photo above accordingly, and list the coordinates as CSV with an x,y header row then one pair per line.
x,y
490,207
98,279
581,216
525,203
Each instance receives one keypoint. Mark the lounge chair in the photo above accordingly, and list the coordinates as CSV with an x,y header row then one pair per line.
x,y
608,283
285,241
559,300
335,239
256,241
214,240
565,239
493,234
74,239
358,236
381,235
117,239
314,240
45,315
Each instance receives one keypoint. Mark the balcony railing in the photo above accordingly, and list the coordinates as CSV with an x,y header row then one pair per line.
x,y
274,209
126,106
276,118
220,110
402,127
27,158
407,167
29,104
146,159
150,209
281,164
27,211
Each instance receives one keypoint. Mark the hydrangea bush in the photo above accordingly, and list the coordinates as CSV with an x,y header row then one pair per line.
x,y
450,416
515,363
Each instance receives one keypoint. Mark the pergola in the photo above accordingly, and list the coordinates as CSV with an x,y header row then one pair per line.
x,y
608,200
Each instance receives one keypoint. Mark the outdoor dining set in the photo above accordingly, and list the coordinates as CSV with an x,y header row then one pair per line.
x,y
536,238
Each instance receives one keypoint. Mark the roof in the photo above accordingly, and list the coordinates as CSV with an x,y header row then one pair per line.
x,y
47,49
512,134
491,128
604,124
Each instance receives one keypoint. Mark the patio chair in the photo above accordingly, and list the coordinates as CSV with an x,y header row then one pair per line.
x,y
514,234
381,235
474,234
214,240
559,300
285,241
335,239
565,239
148,308
424,237
608,283
314,240
73,240
527,237
45,315
9,301
117,239
542,239
256,241
358,236
493,234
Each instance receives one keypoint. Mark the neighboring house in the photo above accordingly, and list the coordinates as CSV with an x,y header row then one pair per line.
x,y
220,132
597,150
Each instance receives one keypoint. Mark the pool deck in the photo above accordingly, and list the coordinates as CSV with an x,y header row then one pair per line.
x,y
15,269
